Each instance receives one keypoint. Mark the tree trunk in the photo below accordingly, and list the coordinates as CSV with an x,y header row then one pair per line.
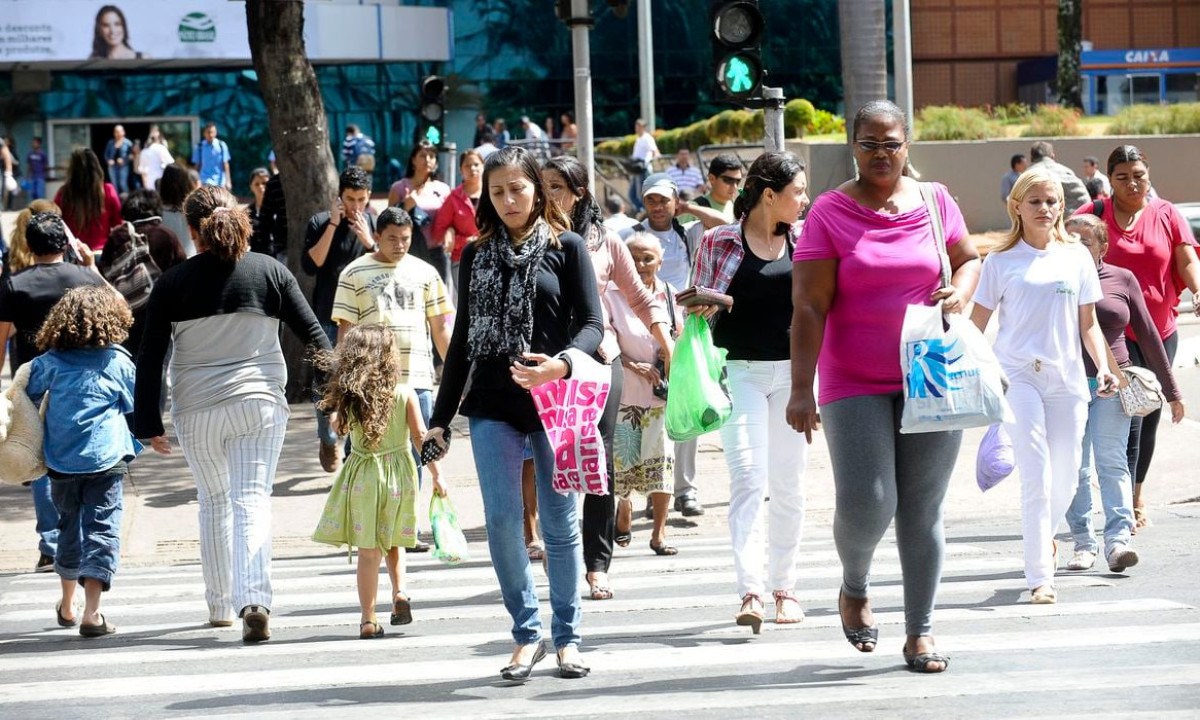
x,y
301,139
1070,37
863,34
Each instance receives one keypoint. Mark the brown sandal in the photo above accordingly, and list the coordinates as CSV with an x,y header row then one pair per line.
x,y
749,615
369,629
782,617
401,611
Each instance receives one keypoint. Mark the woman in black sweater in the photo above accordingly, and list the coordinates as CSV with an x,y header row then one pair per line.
x,y
528,293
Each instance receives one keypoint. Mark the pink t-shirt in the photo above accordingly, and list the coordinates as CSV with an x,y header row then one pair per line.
x,y
885,263
1148,251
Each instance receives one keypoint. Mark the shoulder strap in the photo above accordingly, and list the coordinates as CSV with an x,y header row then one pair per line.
x,y
939,233
1098,208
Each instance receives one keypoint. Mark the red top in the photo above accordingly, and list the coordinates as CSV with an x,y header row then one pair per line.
x,y
95,234
458,213
1148,251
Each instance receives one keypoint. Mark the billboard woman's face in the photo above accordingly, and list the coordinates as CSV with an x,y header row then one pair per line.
x,y
112,29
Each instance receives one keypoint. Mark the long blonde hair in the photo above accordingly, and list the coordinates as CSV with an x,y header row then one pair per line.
x,y
19,254
1025,183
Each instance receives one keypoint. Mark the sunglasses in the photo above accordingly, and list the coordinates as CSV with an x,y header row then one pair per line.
x,y
891,147
731,181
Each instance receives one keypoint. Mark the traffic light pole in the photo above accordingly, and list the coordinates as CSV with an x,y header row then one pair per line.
x,y
774,137
580,23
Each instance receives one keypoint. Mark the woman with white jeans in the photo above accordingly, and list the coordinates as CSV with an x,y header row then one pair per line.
x,y
222,308
1045,286
751,261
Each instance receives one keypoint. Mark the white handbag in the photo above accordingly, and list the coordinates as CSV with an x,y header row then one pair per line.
x,y
1142,394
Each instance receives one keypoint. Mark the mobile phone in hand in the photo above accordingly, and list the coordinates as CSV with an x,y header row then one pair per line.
x,y
431,451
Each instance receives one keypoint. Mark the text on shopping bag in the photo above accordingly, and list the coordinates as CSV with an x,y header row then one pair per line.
x,y
570,411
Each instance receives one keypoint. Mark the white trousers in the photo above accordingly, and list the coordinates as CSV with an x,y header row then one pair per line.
x,y
232,451
765,456
1046,438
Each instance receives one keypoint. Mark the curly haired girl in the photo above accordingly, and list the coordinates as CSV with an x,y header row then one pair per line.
x,y
88,446
372,504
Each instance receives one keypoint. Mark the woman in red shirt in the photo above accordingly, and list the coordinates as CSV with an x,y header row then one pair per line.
x,y
455,222
1149,237
89,205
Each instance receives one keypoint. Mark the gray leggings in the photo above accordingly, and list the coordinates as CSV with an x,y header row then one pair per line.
x,y
880,474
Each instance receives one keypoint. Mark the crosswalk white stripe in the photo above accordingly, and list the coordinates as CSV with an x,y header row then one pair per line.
x,y
428,587
624,660
820,596
53,658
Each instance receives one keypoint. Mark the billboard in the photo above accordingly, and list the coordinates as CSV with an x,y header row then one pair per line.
x,y
72,33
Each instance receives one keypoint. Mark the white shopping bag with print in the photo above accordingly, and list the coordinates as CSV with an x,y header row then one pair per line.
x,y
570,411
952,380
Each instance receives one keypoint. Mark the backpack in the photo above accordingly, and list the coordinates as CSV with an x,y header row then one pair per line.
x,y
133,272
1098,208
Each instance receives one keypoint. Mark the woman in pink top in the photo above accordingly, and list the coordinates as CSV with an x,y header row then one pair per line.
x,y
1149,237
422,195
867,251
566,182
90,206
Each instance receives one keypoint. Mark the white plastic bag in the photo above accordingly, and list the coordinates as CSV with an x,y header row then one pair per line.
x,y
952,380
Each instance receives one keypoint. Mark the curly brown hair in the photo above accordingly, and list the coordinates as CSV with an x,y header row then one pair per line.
x,y
364,370
87,317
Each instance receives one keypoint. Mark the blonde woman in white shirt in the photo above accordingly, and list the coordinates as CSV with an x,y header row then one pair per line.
x,y
154,159
1044,284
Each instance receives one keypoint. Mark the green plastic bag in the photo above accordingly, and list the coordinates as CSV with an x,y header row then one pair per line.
x,y
449,543
699,399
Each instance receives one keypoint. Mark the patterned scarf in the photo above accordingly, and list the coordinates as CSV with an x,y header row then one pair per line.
x,y
503,287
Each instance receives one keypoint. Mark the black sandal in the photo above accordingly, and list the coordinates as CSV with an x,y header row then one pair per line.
x,y
663,549
623,538
401,611
94,631
62,621
369,629
920,661
867,637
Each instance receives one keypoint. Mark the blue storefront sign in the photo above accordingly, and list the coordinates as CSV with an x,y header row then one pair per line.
x,y
1116,78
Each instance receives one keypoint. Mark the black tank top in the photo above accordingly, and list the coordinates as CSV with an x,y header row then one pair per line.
x,y
758,326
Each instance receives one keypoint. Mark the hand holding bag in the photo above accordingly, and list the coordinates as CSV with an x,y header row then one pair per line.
x,y
952,379
699,399
696,295
1142,393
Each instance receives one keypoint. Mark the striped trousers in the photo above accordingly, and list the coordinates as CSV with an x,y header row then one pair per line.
x,y
232,450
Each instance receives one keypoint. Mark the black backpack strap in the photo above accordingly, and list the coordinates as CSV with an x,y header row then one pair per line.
x,y
1098,208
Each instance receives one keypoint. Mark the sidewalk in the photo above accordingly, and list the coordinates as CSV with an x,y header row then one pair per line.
x,y
160,523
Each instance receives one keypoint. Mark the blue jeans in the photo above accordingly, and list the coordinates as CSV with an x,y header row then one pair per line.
x,y
499,451
425,401
1105,437
325,431
89,525
47,516
37,188
119,174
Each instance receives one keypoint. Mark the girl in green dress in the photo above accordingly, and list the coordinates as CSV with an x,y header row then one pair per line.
x,y
372,504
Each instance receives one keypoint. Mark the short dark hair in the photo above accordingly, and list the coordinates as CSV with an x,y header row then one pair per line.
x,y
1015,160
1126,154
724,163
210,124
354,178
46,234
174,185
1094,186
1092,160
393,216
37,138
1041,150
885,109
613,204
351,129
141,204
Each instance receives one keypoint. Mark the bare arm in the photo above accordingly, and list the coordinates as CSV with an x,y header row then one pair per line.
x,y
319,252
965,266
814,283
1189,269
980,316
439,329
343,328
707,216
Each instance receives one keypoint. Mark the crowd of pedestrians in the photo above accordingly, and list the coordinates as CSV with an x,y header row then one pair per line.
x,y
508,281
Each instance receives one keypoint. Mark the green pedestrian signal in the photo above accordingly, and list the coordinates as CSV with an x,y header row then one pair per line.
x,y
433,135
737,75
432,110
737,31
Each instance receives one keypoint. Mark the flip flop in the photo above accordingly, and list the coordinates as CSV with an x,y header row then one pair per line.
x,y
664,549
401,611
600,592
920,661
623,537
62,621
94,631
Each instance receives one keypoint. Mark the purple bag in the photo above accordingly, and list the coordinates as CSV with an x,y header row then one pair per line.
x,y
995,460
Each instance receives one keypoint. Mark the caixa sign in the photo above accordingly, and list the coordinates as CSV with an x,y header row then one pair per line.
x,y
1148,57
1165,58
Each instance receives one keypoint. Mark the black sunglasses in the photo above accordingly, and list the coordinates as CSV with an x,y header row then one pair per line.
x,y
734,181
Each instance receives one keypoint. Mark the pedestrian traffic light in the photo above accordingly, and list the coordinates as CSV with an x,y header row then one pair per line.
x,y
433,109
737,28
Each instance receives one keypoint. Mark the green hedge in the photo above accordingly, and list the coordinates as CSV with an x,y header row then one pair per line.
x,y
734,126
1181,119
1053,121
950,122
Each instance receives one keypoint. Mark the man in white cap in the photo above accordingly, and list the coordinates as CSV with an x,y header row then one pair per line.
x,y
660,196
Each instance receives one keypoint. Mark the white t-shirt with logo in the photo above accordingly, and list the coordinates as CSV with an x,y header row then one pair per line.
x,y
1038,294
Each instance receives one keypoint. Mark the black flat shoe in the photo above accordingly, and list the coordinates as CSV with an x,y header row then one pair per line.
x,y
866,637
520,673
570,670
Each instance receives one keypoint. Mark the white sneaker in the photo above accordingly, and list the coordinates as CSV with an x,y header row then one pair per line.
x,y
1082,560
1120,556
